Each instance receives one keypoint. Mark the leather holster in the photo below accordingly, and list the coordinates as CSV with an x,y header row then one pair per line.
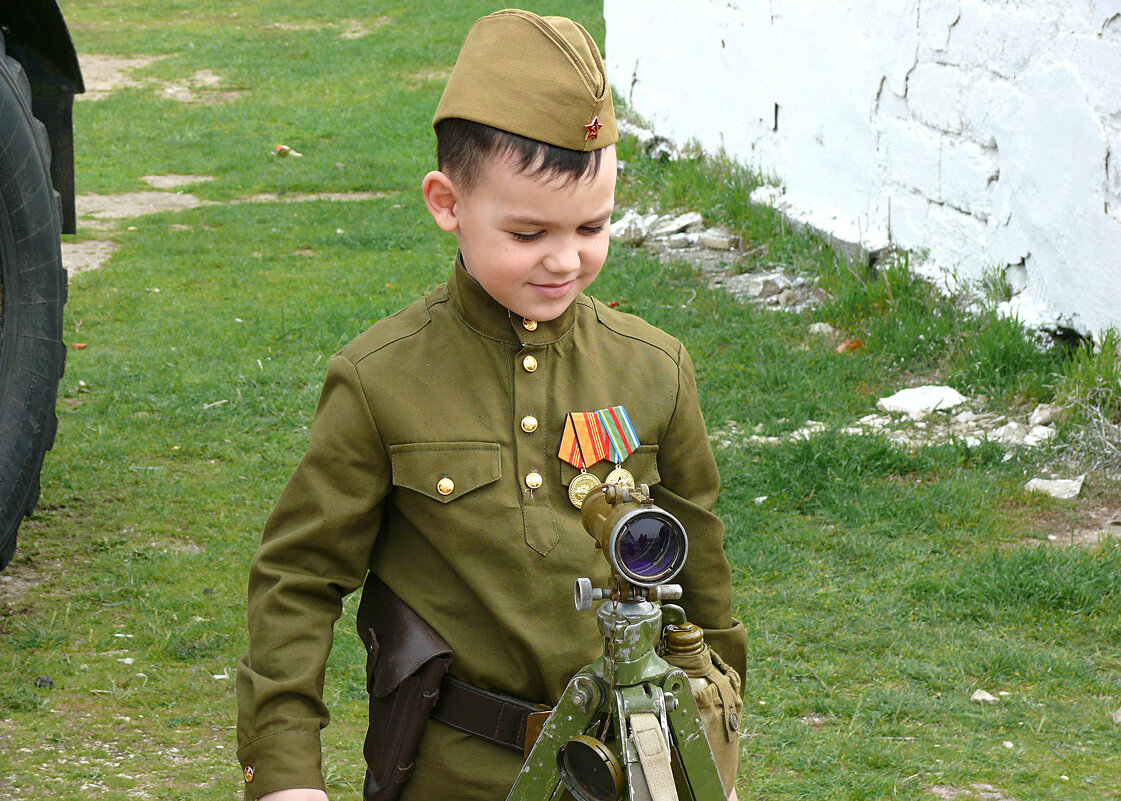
x,y
405,662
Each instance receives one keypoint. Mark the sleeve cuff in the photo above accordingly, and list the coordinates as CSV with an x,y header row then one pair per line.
x,y
281,761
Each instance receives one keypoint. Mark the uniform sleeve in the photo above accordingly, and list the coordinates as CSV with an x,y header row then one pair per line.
x,y
315,550
688,490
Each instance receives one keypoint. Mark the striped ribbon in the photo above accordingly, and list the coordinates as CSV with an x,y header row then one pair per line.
x,y
584,441
621,435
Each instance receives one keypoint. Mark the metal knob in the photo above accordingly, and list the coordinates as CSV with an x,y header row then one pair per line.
x,y
586,595
665,592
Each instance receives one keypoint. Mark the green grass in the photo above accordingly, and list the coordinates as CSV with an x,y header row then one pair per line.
x,y
880,586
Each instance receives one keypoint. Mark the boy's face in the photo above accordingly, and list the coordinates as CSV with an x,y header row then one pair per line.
x,y
535,243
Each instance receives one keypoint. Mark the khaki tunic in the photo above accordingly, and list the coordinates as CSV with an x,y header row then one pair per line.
x,y
446,388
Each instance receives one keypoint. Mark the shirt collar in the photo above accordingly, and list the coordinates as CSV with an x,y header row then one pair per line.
x,y
486,316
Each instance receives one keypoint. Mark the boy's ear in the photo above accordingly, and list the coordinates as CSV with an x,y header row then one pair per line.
x,y
440,198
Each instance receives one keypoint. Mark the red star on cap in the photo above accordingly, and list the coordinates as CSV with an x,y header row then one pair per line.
x,y
593,128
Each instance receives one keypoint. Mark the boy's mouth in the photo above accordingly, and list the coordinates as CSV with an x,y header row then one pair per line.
x,y
554,290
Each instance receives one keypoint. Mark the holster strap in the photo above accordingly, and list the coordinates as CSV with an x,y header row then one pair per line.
x,y
499,718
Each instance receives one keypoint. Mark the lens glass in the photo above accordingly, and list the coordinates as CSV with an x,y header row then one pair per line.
x,y
586,773
649,548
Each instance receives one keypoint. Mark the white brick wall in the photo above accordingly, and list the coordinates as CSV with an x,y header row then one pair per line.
x,y
983,133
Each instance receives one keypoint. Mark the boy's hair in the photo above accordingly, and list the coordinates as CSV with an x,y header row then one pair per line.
x,y
463,146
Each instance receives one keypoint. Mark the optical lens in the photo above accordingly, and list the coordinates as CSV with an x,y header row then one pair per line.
x,y
589,770
650,548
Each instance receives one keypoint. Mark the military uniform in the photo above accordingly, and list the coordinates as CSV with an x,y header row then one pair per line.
x,y
432,429
433,464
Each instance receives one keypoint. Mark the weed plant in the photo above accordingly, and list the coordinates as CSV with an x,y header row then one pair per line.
x,y
880,586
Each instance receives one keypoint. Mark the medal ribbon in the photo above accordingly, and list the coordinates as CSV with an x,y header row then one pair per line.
x,y
621,435
584,441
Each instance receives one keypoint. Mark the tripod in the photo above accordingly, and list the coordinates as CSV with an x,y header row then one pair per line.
x,y
628,721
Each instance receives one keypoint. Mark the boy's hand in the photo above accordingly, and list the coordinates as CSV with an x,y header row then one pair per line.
x,y
294,795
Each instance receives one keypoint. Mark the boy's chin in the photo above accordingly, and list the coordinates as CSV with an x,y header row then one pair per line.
x,y
543,313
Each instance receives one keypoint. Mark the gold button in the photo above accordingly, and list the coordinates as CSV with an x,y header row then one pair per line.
x,y
529,424
529,363
533,480
249,773
445,486
529,325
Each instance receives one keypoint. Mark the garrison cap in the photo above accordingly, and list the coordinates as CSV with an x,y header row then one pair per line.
x,y
539,77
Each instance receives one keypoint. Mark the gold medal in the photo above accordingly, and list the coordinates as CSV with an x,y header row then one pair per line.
x,y
579,488
620,476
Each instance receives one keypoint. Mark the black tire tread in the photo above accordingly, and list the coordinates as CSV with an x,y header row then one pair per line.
x,y
28,426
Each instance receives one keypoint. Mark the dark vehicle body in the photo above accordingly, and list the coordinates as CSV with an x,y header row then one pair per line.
x,y
39,76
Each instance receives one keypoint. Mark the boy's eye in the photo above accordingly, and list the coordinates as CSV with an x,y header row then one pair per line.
x,y
591,229
525,237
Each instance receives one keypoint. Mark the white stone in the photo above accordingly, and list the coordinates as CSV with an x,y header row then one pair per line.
x,y
688,221
1045,413
766,286
1038,435
1063,488
787,298
678,241
983,697
917,402
630,229
715,240
1116,718
1011,433
823,329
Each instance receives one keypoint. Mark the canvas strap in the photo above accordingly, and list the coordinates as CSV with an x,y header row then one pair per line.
x,y
653,755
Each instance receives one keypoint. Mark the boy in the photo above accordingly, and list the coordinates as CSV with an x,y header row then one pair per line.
x,y
433,464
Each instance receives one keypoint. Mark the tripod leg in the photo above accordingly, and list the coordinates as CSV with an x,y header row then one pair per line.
x,y
690,740
577,709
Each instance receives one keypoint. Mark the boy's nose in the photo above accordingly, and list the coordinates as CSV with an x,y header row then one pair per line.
x,y
565,259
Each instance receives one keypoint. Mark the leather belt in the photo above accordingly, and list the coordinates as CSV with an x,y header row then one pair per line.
x,y
501,719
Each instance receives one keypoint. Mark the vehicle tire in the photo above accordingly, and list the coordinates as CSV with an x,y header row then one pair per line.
x,y
32,294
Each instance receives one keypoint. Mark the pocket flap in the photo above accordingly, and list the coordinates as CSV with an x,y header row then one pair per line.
x,y
444,471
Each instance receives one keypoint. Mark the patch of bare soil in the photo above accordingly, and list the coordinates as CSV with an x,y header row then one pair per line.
x,y
302,197
351,28
102,211
17,579
104,75
173,181
357,29
975,792
78,257
204,86
432,74
295,26
1087,527
98,211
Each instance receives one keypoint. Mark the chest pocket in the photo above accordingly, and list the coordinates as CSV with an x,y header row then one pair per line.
x,y
445,471
642,464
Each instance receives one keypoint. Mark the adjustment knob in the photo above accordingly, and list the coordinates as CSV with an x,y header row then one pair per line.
x,y
585,594
664,592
